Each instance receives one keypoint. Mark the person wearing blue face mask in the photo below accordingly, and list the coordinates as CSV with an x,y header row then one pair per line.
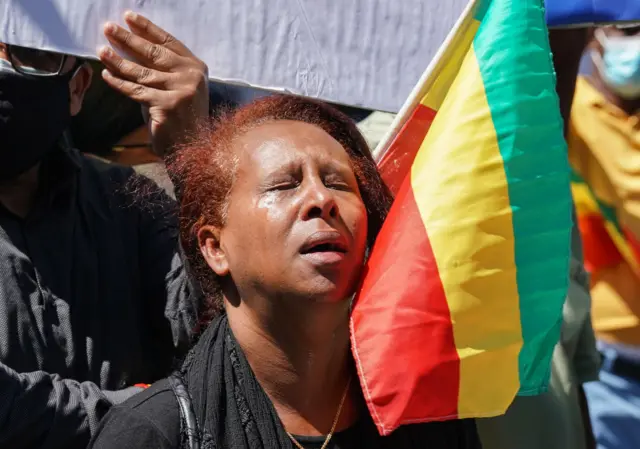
x,y
617,59
604,151
94,297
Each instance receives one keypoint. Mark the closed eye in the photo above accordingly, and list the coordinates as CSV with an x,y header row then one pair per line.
x,y
337,182
339,186
285,185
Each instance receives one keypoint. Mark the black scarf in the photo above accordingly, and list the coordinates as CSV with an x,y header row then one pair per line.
x,y
234,412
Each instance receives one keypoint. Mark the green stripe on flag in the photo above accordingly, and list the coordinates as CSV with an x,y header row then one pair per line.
x,y
513,53
481,8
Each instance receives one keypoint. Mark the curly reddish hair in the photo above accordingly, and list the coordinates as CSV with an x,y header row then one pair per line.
x,y
203,171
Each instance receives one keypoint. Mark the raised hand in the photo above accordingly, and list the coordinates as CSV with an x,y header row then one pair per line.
x,y
162,75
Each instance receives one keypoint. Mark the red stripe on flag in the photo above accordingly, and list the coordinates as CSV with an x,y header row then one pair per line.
x,y
397,161
406,296
599,249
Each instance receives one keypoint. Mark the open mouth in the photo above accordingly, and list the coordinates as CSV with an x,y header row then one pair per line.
x,y
323,247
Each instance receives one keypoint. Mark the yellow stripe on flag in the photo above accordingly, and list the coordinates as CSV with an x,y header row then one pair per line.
x,y
471,151
434,97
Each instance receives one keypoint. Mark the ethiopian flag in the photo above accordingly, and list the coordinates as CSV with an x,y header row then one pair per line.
x,y
605,241
461,303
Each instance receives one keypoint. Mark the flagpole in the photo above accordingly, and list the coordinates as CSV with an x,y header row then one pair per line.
x,y
422,87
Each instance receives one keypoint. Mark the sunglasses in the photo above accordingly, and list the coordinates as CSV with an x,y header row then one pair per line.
x,y
29,61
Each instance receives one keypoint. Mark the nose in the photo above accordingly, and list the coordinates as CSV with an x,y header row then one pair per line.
x,y
319,202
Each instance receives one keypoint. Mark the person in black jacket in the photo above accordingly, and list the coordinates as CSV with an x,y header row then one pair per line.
x,y
93,294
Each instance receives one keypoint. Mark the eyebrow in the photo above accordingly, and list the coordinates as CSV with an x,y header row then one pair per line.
x,y
343,169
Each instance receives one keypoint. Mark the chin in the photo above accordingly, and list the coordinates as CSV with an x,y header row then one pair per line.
x,y
325,284
328,291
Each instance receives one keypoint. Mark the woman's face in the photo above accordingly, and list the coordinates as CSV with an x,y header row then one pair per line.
x,y
296,224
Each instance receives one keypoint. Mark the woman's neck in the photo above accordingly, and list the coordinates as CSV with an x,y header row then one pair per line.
x,y
300,355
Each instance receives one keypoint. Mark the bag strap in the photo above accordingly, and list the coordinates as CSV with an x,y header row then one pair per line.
x,y
188,422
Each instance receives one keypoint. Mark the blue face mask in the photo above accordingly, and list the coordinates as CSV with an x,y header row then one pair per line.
x,y
620,63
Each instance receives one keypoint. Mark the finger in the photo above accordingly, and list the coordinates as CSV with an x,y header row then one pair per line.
x,y
148,30
143,51
130,71
137,92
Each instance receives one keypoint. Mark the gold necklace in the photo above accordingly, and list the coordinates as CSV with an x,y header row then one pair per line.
x,y
333,426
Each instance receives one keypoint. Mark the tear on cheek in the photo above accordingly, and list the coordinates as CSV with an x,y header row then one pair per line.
x,y
267,201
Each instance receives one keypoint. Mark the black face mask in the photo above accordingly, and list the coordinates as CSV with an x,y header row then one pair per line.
x,y
34,112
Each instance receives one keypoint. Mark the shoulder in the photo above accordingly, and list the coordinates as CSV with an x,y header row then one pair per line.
x,y
454,434
104,168
102,183
117,175
590,114
124,185
148,419
587,96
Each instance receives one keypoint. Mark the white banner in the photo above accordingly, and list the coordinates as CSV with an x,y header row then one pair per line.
x,y
368,53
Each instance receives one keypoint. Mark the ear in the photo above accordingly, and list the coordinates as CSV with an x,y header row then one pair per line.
x,y
209,242
78,86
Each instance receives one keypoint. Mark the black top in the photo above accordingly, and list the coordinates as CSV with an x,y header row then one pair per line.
x,y
93,297
151,420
